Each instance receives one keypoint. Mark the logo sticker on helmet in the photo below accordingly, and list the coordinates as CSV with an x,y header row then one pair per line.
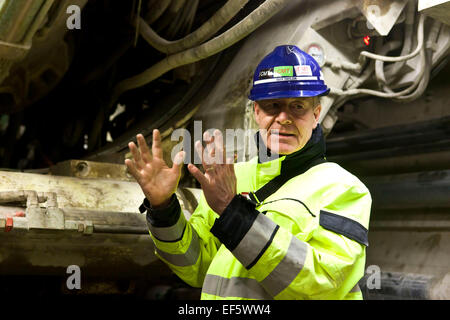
x,y
283,71
303,70
266,73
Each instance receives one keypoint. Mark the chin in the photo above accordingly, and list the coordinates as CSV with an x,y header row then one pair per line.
x,y
285,150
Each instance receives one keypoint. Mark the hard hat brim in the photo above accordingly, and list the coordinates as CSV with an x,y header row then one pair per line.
x,y
288,94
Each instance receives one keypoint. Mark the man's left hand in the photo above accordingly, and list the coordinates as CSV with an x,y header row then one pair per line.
x,y
219,180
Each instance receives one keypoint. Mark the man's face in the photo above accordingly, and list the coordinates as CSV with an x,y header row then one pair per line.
x,y
288,121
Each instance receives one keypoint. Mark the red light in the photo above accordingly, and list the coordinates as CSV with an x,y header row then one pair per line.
x,y
367,40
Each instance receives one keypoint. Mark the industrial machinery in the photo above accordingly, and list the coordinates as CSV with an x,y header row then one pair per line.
x,y
79,79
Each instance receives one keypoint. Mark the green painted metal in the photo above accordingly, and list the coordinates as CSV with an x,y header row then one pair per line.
x,y
16,18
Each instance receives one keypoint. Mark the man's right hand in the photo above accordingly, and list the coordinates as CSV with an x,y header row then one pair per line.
x,y
157,180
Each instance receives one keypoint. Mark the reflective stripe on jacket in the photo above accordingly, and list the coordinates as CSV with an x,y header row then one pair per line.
x,y
305,241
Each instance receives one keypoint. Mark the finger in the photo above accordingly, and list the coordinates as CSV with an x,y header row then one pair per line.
x,y
143,147
156,145
207,137
209,140
198,175
210,152
218,146
132,169
178,162
200,151
136,155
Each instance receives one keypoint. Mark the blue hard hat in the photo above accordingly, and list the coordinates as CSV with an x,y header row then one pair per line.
x,y
287,72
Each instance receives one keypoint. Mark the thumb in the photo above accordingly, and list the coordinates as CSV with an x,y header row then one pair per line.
x,y
197,174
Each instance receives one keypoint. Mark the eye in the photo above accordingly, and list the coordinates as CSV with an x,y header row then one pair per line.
x,y
270,106
298,106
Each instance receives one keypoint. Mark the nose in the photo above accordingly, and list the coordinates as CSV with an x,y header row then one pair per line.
x,y
283,117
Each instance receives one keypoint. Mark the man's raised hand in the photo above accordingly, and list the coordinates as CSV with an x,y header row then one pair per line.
x,y
219,180
157,180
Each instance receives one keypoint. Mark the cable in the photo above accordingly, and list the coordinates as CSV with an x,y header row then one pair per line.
x,y
183,16
242,29
239,31
210,27
379,65
417,81
170,15
432,37
392,71
157,10
408,56
384,94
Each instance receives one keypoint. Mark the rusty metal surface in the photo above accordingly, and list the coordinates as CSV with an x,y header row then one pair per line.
x,y
104,255
121,196
92,223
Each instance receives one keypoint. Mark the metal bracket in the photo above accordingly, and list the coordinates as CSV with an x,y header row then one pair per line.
x,y
47,217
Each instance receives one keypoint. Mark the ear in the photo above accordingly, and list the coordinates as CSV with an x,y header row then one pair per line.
x,y
317,111
257,111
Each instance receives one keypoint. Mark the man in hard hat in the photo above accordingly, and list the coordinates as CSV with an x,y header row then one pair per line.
x,y
290,228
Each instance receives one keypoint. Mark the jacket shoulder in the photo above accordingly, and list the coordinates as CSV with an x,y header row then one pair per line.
x,y
343,193
334,173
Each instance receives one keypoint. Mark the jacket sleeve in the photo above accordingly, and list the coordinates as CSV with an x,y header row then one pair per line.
x,y
186,246
326,266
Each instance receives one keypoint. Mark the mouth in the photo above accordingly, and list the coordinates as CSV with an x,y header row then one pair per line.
x,y
283,134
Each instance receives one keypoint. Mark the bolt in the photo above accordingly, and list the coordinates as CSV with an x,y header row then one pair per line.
x,y
82,168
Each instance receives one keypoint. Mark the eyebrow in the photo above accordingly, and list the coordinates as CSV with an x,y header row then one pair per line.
x,y
306,103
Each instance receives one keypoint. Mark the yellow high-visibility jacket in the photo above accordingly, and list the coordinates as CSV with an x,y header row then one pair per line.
x,y
305,241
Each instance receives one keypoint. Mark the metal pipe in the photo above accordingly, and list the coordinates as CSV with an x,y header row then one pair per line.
x,y
210,27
